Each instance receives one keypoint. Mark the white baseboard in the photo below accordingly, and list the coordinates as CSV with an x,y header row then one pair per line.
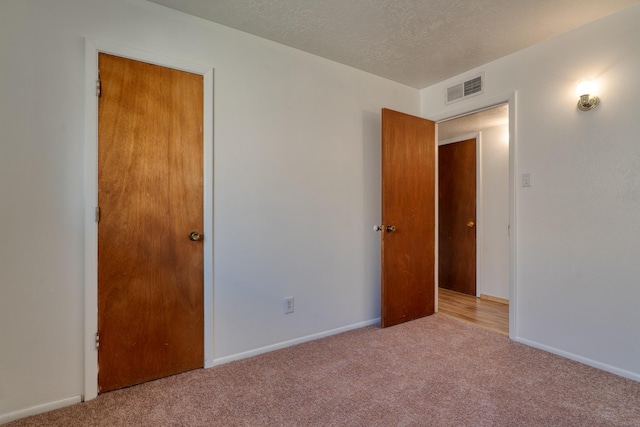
x,y
590,362
39,409
284,344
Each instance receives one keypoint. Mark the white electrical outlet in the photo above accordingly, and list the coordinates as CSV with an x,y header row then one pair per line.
x,y
526,180
288,305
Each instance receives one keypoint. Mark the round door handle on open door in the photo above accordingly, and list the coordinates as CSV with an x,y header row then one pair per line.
x,y
388,228
471,224
195,236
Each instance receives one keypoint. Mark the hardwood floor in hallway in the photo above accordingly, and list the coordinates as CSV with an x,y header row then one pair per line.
x,y
487,314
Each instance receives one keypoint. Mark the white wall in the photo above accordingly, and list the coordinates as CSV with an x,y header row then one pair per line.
x,y
494,270
577,270
297,186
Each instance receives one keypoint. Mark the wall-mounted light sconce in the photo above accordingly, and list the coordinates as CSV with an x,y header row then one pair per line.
x,y
588,101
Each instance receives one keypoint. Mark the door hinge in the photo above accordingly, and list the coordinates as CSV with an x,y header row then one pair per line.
x,y
97,214
98,87
97,340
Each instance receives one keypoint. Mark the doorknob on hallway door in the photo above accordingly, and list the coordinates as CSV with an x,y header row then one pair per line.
x,y
471,224
195,236
388,228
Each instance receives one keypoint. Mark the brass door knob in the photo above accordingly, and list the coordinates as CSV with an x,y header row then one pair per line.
x,y
471,224
195,236
390,228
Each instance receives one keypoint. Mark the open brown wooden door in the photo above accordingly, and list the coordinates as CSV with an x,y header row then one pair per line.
x,y
408,217
150,194
457,216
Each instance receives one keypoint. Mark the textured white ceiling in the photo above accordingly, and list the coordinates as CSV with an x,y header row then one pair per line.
x,y
415,42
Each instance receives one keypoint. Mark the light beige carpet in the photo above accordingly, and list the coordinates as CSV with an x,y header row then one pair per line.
x,y
435,371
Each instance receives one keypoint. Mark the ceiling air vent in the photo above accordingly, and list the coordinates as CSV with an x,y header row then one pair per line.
x,y
474,86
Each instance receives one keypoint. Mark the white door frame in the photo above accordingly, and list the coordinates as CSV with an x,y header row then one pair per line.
x,y
471,106
92,48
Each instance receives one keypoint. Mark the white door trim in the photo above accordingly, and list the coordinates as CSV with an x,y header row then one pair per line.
x,y
92,48
474,105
